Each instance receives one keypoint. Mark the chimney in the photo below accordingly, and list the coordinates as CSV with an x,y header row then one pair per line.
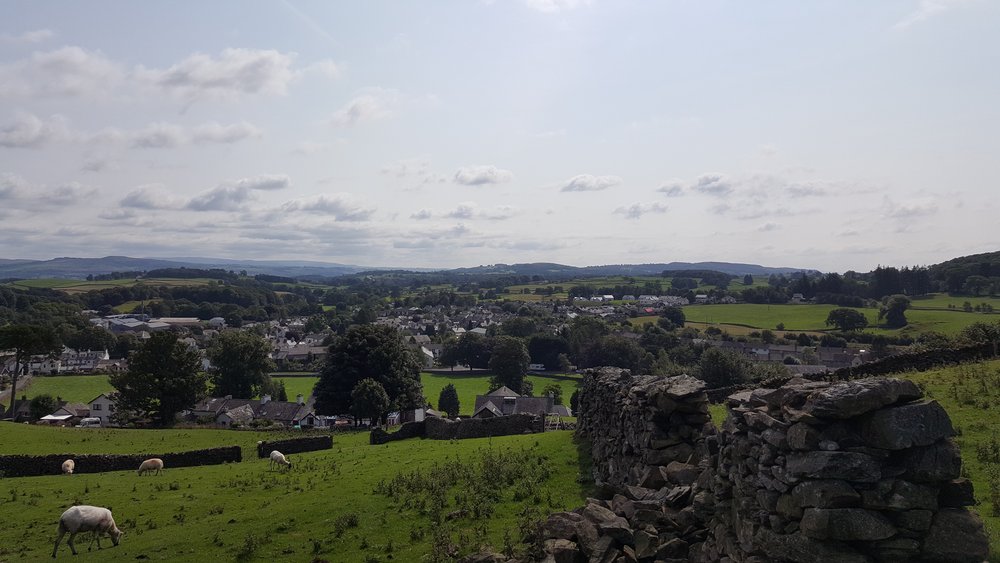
x,y
265,400
299,399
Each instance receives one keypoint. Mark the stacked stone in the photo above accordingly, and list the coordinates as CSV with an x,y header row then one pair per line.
x,y
650,440
638,425
855,471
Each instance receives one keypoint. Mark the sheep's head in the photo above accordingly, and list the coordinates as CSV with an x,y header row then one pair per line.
x,y
116,535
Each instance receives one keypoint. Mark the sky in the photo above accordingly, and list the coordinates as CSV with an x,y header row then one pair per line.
x,y
828,135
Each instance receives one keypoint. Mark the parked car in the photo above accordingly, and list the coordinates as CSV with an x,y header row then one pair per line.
x,y
89,423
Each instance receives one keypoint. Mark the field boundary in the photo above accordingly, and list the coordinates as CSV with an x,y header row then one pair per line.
x,y
51,464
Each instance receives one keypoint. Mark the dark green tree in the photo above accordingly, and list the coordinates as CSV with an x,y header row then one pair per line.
x,y
894,311
163,378
721,368
42,405
555,390
847,319
369,400
617,351
509,362
240,364
25,340
675,315
469,349
448,400
545,349
90,338
748,280
582,334
981,332
574,401
369,351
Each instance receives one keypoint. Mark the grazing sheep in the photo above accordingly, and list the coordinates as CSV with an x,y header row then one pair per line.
x,y
85,518
280,459
68,466
152,464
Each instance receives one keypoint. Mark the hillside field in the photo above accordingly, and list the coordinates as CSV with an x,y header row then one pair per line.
x,y
79,286
468,386
325,507
72,388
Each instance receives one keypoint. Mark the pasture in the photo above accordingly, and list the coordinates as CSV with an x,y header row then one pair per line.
x,y
71,388
344,504
79,286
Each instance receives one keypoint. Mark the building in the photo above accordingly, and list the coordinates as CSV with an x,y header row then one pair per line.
x,y
505,401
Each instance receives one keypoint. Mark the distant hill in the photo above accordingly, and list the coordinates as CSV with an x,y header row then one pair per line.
x,y
550,270
80,268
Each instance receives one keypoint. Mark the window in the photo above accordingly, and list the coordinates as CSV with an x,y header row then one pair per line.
x,y
95,407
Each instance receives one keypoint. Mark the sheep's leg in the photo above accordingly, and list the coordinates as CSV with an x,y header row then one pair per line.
x,y
72,547
62,532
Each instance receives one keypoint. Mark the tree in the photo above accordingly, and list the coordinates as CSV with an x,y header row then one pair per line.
x,y
574,401
545,349
721,368
617,351
369,400
555,390
448,400
42,405
26,341
509,362
847,319
748,280
893,310
368,351
675,315
240,364
163,378
470,349
583,333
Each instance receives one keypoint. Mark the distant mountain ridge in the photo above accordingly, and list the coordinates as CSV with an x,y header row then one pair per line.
x,y
80,268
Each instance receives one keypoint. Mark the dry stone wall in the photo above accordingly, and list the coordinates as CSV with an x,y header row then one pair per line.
x,y
51,464
858,471
295,445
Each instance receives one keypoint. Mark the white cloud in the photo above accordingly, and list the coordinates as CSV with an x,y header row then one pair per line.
x,y
925,10
500,213
213,132
463,211
233,195
29,131
233,73
341,207
637,210
481,175
12,186
590,183
149,196
422,215
672,188
370,106
170,135
267,182
553,6
158,136
909,209
713,184
767,227
66,194
307,148
28,37
67,71
326,68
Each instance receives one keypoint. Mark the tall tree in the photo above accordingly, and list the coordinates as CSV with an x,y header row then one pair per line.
x,y
369,400
163,378
368,351
846,319
26,341
509,362
240,364
448,400
894,311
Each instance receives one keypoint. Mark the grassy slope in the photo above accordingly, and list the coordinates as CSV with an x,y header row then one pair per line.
x,y
468,386
72,388
214,511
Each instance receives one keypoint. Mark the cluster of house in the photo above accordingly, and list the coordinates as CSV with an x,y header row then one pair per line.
x,y
68,361
823,358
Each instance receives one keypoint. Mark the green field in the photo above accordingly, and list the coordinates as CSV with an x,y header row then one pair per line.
x,y
326,507
78,286
71,388
943,300
296,385
468,386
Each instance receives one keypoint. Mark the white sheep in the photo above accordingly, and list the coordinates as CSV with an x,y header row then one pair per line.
x,y
85,518
68,466
152,464
280,459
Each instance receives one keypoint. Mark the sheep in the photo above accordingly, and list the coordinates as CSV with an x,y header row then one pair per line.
x,y
85,518
280,459
68,466
152,464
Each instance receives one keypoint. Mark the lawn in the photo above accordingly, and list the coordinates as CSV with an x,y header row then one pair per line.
x,y
468,386
296,385
326,507
71,388
945,301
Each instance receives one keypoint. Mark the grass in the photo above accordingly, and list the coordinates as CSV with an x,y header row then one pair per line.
x,y
296,385
468,386
327,507
971,395
77,286
949,302
72,388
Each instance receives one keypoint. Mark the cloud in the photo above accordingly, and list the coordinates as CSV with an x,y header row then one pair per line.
x,y
213,132
767,227
373,105
117,214
422,215
637,210
233,195
98,164
168,135
68,71
341,207
807,190
768,150
713,184
589,183
66,194
500,213
149,196
233,73
307,148
481,175
554,6
267,182
326,68
926,9
12,186
29,131
673,188
909,209
407,167
463,211
28,37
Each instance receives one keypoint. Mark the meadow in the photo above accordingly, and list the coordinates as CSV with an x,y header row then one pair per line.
x,y
469,385
71,388
78,286
353,503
